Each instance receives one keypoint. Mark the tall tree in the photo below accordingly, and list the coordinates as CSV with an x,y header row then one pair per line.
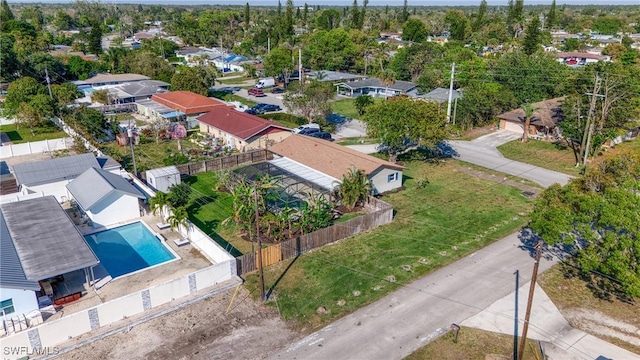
x,y
354,17
482,11
531,42
388,78
404,16
459,26
414,30
9,64
5,12
189,79
94,45
551,19
529,110
400,121
247,16
310,100
22,90
305,15
363,14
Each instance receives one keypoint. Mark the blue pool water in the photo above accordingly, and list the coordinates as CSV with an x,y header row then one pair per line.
x,y
128,248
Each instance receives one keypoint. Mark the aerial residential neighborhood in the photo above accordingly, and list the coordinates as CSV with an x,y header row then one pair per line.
x,y
320,181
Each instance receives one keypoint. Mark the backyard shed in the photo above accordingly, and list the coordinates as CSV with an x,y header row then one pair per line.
x,y
163,178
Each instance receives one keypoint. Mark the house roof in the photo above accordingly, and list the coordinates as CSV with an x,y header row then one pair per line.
x,y
144,87
163,171
52,170
108,78
327,157
441,95
377,83
332,76
188,102
576,54
239,124
45,240
549,113
108,163
94,185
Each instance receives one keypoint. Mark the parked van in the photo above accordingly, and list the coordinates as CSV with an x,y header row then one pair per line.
x,y
305,126
266,83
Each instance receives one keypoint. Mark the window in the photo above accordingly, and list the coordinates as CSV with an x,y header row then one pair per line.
x,y
6,307
392,177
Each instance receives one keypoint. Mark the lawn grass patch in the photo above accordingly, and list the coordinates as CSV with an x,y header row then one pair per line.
x,y
553,156
451,217
356,141
234,79
347,107
472,344
149,155
46,131
571,293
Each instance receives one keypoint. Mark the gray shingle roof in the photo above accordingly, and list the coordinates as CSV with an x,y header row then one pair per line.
x,y
52,170
376,83
94,185
46,242
144,88
441,95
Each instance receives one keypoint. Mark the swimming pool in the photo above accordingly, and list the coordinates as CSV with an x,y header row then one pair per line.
x,y
125,249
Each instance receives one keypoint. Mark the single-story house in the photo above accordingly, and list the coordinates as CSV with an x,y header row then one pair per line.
x,y
441,95
374,87
49,177
336,161
163,178
38,241
580,58
334,76
189,103
241,131
139,90
105,197
110,79
544,119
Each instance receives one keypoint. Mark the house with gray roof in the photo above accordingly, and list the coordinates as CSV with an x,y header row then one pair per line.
x,y
139,90
105,197
374,87
440,95
49,177
38,242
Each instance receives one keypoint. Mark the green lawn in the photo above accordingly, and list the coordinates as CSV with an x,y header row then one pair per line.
x,y
453,216
356,141
233,97
548,155
23,134
235,80
347,108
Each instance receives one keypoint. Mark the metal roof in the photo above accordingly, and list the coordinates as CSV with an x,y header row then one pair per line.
x,y
305,172
52,170
155,106
93,185
46,241
441,95
11,273
144,87
163,171
332,76
377,83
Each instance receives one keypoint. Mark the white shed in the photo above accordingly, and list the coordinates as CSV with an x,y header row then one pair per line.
x,y
163,178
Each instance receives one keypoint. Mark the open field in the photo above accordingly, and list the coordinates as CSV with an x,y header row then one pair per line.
x,y
454,215
606,317
23,134
472,344
548,155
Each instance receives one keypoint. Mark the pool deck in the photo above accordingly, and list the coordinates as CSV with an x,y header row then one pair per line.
x,y
190,260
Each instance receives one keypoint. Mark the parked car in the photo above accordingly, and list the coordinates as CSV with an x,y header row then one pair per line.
x,y
253,111
277,90
321,135
305,126
271,107
257,109
308,131
256,92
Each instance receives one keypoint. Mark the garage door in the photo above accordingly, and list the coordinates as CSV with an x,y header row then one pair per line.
x,y
511,126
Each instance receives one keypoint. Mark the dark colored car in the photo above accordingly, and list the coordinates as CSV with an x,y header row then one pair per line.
x,y
309,131
321,135
258,109
256,92
277,90
236,88
253,111
270,107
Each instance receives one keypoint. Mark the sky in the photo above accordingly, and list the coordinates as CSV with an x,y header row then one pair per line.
x,y
342,2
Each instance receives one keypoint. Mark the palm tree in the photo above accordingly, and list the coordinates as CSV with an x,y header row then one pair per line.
x,y
354,188
158,202
388,77
528,113
179,219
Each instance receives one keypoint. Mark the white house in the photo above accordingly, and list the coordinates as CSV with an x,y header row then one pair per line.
x,y
49,177
106,198
38,241
163,178
336,160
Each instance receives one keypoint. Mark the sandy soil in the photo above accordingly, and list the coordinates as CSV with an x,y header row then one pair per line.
x,y
200,331
598,323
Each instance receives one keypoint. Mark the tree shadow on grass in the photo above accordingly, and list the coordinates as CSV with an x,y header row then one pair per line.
x,y
14,135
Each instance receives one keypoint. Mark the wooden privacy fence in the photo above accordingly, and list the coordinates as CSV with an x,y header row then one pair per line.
x,y
381,213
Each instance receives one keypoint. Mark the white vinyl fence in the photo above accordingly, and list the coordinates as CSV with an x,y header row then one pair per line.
x,y
44,338
36,147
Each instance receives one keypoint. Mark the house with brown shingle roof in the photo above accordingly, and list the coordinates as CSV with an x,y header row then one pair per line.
x,y
240,130
187,102
544,119
336,160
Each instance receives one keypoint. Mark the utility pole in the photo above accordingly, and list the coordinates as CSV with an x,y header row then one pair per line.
x,y
255,199
453,70
525,326
46,72
589,126
133,155
300,72
268,45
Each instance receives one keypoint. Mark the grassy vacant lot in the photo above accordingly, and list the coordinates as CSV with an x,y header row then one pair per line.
x,y
22,135
453,216
571,294
148,156
472,344
548,155
347,108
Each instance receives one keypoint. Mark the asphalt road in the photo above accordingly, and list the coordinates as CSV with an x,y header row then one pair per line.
x,y
405,320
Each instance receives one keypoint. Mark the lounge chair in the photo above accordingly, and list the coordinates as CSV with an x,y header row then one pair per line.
x,y
163,226
181,242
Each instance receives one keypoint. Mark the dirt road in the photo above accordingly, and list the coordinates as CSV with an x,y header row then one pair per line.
x,y
200,331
